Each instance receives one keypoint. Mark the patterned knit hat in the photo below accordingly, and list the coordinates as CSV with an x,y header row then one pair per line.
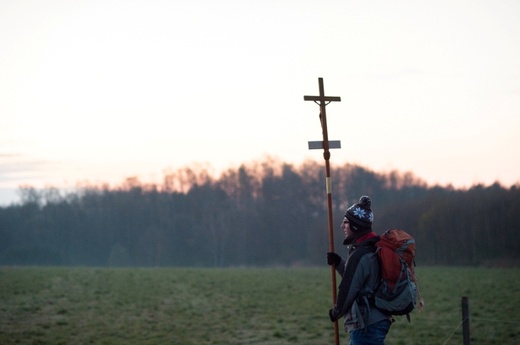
x,y
360,215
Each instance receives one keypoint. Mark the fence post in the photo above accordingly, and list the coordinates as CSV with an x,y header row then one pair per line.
x,y
465,321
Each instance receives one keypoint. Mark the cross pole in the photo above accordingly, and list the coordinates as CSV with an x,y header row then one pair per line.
x,y
322,101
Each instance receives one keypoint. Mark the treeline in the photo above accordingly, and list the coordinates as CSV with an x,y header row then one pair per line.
x,y
261,214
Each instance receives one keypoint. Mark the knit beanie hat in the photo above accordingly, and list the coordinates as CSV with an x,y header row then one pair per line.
x,y
360,215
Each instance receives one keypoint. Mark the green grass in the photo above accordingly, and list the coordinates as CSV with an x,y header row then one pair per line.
x,y
236,306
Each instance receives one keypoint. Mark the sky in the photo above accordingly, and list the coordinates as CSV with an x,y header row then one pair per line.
x,y
101,90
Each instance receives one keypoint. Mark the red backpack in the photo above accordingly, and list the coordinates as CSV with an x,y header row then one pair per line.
x,y
397,293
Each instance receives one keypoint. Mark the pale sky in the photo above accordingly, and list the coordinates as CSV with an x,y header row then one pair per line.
x,y
101,90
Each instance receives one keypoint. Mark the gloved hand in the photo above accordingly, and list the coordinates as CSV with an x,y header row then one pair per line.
x,y
332,315
333,259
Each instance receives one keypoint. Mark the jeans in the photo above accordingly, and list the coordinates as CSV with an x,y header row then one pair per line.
x,y
374,334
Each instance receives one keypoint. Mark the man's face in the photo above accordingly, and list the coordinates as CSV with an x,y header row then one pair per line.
x,y
345,226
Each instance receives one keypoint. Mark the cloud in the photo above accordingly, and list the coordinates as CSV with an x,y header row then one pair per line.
x,y
19,169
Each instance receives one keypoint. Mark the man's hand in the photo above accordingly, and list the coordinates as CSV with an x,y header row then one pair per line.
x,y
333,259
333,315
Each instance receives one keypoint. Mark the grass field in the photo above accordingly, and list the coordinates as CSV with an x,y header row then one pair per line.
x,y
236,306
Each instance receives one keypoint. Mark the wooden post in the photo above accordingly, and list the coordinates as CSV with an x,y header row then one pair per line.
x,y
322,101
465,321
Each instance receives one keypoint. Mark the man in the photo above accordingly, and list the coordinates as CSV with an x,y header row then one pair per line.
x,y
360,274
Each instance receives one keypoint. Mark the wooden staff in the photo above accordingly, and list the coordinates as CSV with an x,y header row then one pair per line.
x,y
322,101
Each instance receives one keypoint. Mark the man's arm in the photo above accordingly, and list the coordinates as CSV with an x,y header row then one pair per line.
x,y
352,281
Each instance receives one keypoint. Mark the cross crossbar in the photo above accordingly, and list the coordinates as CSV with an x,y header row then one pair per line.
x,y
322,98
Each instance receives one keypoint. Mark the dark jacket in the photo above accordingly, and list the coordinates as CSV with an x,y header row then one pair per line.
x,y
360,277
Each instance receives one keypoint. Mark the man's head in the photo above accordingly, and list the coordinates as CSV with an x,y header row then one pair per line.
x,y
358,218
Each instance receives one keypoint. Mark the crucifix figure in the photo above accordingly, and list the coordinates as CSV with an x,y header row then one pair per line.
x,y
322,101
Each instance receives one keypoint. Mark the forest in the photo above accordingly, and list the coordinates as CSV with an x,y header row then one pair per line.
x,y
266,213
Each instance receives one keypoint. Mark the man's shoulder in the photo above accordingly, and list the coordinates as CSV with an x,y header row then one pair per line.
x,y
367,246
359,252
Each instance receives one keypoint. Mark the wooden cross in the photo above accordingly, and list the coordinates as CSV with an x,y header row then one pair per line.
x,y
322,101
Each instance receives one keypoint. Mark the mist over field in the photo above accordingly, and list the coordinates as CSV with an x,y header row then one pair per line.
x,y
263,214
